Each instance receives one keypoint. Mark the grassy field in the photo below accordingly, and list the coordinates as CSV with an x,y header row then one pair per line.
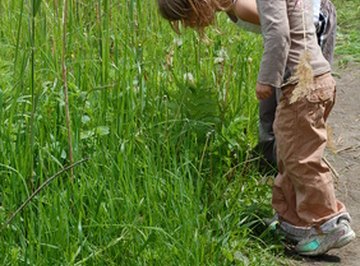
x,y
348,37
165,123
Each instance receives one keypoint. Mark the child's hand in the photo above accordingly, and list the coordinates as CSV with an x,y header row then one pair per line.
x,y
263,91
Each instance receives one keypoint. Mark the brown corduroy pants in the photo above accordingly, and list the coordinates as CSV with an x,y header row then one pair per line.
x,y
303,193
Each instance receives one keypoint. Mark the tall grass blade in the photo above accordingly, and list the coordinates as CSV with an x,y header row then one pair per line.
x,y
65,84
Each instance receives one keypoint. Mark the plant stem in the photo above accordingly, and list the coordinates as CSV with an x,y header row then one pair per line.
x,y
65,84
41,187
33,100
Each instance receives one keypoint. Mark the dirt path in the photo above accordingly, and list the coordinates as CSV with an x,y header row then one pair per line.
x,y
345,124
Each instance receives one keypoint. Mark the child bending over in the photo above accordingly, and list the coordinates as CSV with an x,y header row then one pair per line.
x,y
307,210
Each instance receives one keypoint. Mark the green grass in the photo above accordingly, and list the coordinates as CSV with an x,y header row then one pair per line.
x,y
166,121
348,33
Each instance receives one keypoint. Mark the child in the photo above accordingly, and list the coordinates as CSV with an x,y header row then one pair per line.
x,y
303,194
244,14
324,15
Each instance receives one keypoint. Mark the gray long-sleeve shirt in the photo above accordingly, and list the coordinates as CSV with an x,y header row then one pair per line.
x,y
287,31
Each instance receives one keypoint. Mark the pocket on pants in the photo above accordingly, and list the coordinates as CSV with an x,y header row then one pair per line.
x,y
321,99
322,91
321,94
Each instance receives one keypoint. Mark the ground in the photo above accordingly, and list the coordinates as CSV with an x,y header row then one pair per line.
x,y
344,156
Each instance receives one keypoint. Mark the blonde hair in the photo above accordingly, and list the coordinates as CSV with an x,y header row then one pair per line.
x,y
192,13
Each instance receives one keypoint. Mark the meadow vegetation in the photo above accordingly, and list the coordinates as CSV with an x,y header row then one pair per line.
x,y
348,35
165,121
166,124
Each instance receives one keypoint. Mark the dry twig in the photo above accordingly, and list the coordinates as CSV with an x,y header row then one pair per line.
x,y
37,191
333,170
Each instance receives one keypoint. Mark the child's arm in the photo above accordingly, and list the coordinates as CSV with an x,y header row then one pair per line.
x,y
244,14
246,10
276,35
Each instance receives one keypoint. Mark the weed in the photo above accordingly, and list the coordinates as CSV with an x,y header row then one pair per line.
x,y
167,123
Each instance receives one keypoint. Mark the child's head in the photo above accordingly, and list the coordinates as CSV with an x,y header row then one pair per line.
x,y
192,13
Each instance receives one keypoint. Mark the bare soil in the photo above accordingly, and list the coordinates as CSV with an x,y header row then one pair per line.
x,y
344,156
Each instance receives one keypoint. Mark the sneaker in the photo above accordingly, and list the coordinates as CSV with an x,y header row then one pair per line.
x,y
320,243
290,233
347,237
272,222
293,234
